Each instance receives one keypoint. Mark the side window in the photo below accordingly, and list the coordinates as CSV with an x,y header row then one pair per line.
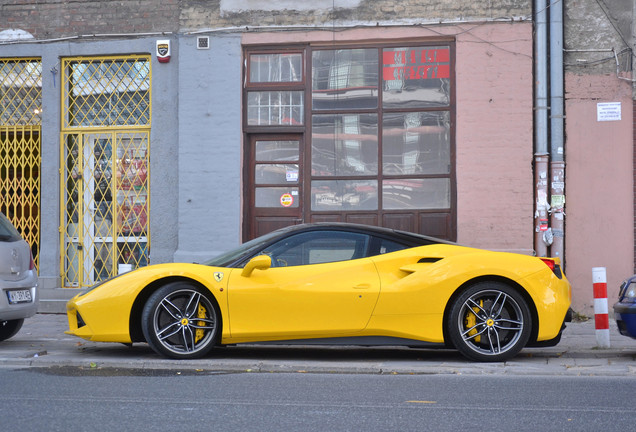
x,y
318,247
388,246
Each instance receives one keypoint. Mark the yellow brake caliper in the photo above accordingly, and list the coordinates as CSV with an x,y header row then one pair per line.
x,y
471,321
198,335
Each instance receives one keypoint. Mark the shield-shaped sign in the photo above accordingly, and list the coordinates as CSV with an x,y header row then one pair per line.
x,y
162,49
218,276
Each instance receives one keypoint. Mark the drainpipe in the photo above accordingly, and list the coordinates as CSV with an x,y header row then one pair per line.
x,y
557,166
541,156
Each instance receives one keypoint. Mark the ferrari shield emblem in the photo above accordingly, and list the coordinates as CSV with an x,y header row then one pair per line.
x,y
218,276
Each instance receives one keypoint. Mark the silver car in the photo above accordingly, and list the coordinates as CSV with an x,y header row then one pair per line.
x,y
18,280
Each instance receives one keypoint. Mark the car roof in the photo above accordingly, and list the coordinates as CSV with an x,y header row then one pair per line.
x,y
367,229
244,252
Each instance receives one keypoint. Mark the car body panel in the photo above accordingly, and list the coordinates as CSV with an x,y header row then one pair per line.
x,y
303,301
17,274
401,294
625,316
625,309
415,296
106,309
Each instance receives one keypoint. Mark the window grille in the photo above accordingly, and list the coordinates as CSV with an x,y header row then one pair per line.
x,y
20,158
105,159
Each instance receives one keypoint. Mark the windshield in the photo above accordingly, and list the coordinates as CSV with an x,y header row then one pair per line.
x,y
246,249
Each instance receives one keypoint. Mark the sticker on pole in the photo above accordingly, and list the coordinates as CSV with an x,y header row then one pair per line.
x,y
286,200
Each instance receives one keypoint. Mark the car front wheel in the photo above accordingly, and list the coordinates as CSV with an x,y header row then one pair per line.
x,y
489,322
10,328
181,321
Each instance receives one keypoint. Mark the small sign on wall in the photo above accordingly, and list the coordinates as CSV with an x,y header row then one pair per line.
x,y
608,111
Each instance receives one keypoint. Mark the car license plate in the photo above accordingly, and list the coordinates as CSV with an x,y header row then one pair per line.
x,y
20,296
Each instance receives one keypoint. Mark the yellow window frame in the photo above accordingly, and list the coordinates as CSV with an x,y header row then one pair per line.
x,y
104,174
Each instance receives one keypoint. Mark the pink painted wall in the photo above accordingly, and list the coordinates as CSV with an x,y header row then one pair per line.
x,y
494,151
599,222
495,138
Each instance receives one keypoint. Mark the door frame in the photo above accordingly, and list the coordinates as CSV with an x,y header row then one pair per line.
x,y
278,217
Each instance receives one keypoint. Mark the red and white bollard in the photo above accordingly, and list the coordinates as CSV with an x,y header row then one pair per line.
x,y
601,317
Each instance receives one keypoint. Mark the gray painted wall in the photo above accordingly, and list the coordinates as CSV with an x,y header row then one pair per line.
x,y
164,144
209,195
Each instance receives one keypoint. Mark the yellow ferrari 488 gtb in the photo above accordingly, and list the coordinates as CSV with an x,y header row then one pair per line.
x,y
334,284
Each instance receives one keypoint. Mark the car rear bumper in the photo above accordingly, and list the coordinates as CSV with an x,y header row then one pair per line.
x,y
11,311
557,339
625,315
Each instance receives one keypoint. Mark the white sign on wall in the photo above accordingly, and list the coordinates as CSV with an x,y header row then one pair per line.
x,y
608,111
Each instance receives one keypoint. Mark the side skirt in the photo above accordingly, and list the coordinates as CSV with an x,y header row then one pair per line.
x,y
357,340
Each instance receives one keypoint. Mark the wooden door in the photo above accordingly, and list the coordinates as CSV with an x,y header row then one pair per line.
x,y
274,182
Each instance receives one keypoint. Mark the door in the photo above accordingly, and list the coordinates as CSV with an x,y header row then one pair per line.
x,y
318,285
274,183
106,212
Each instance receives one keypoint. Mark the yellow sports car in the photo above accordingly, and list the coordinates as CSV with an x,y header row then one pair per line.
x,y
334,284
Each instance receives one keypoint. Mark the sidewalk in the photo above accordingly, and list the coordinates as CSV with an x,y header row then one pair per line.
x,y
42,343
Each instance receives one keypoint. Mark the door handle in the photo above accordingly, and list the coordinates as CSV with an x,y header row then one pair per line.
x,y
362,286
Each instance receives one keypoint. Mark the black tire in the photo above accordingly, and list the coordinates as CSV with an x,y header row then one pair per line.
x,y
490,322
10,328
181,321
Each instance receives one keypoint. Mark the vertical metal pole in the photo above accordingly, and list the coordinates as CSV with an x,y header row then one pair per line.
x,y
557,167
541,128
542,206
557,218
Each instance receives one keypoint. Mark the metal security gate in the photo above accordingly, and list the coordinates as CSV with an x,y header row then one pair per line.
x,y
104,157
20,157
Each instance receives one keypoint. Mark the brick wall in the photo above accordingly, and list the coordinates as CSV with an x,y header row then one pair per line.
x,y
46,19
592,29
212,14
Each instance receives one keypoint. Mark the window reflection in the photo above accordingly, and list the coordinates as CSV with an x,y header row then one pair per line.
x,y
345,79
317,248
270,151
276,197
275,108
416,143
344,195
276,173
432,193
270,68
344,145
416,77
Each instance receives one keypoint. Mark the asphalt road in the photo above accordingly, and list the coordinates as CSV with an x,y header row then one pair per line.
x,y
68,398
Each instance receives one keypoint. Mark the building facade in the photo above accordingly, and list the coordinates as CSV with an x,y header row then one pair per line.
x,y
137,132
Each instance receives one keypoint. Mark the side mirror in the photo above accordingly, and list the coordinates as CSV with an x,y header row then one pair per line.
x,y
261,262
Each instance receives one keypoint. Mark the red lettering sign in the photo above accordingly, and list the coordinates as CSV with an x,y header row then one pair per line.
x,y
416,63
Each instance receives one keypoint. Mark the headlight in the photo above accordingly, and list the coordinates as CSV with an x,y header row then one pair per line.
x,y
629,292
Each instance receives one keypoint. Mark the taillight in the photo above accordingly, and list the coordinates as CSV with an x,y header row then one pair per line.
x,y
32,263
554,266
549,263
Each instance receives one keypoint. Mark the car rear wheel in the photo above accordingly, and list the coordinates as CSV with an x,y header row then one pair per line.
x,y
10,328
181,321
489,321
